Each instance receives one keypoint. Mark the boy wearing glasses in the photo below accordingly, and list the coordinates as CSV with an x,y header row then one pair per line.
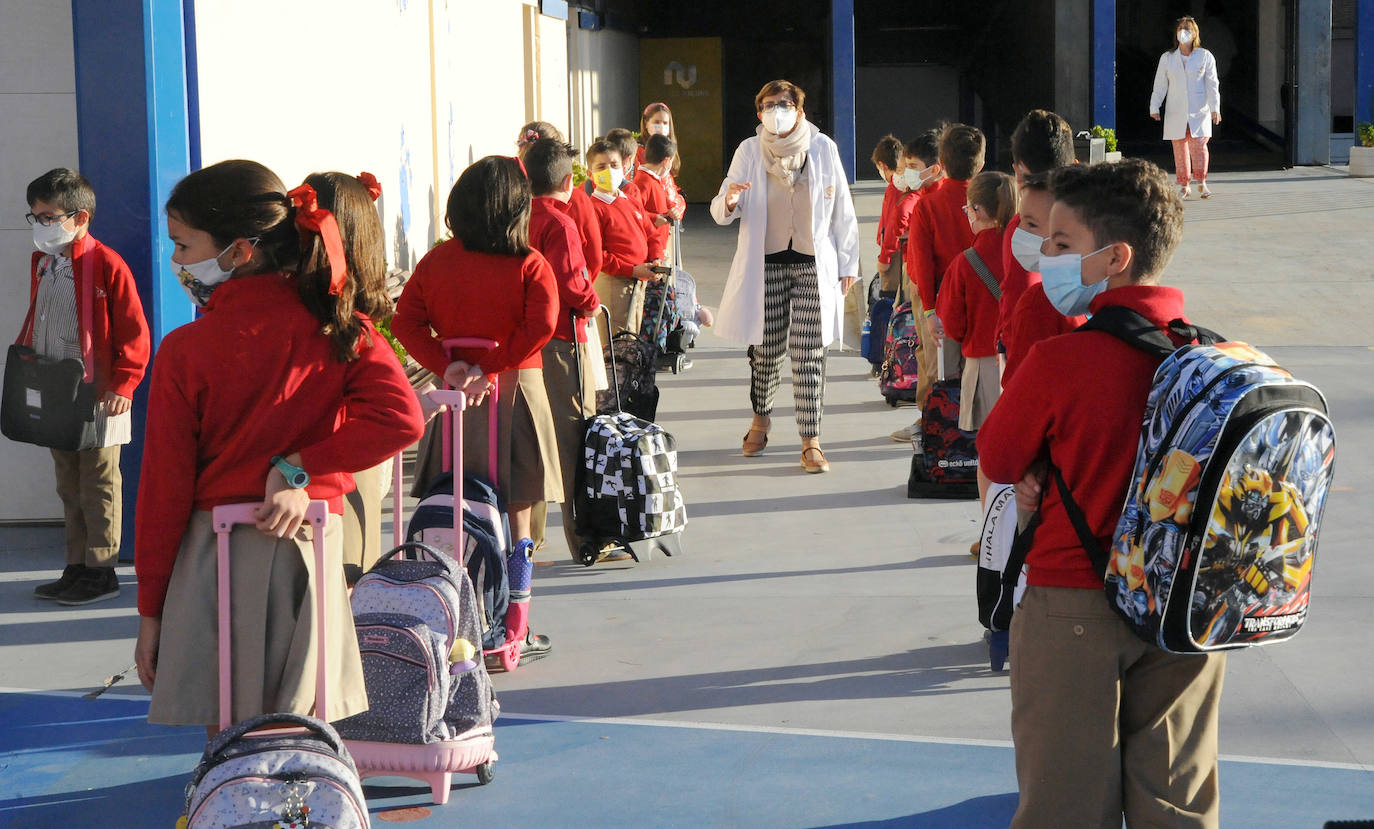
x,y
69,265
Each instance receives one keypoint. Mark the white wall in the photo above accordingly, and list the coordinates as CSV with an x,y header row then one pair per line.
x,y
603,72
433,87
38,133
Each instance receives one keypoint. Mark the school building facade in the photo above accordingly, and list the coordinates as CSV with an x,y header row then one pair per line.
x,y
135,93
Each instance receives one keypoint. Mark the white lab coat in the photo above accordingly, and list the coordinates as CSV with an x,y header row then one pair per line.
x,y
835,231
1193,93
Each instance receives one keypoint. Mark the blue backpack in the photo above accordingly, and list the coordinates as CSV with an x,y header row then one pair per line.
x,y
1216,542
486,538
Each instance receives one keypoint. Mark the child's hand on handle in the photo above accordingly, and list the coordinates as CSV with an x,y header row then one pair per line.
x,y
732,195
469,379
646,272
283,507
116,404
145,649
677,212
937,328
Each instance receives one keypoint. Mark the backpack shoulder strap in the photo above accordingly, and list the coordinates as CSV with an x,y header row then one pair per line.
x,y
981,268
1096,554
1132,328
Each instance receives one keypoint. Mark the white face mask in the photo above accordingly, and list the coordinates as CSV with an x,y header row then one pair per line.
x,y
898,180
780,121
914,179
658,128
53,238
199,279
1185,36
1025,247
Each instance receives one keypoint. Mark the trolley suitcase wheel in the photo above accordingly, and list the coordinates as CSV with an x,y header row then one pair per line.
x,y
486,773
679,361
586,553
891,401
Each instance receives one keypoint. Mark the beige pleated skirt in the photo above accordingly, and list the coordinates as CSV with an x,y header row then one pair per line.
x,y
272,612
526,446
979,389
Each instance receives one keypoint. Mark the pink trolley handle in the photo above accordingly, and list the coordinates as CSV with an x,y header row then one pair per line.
x,y
224,519
453,433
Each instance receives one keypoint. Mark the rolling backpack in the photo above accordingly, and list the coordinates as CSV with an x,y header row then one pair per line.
x,y
485,537
420,633
1217,538
635,362
944,460
900,371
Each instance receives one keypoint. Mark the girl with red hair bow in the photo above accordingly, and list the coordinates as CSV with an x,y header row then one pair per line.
x,y
277,377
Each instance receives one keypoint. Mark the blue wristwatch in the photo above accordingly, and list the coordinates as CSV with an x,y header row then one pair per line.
x,y
296,478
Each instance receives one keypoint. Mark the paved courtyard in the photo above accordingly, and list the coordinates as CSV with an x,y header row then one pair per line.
x,y
815,658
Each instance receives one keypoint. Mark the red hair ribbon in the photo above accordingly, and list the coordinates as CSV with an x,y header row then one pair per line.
x,y
523,171
374,187
311,218
529,137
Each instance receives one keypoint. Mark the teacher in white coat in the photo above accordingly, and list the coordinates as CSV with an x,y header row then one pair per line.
x,y
1186,83
797,256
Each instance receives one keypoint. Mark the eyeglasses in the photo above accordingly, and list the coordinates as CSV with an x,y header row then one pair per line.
x,y
47,219
782,106
966,208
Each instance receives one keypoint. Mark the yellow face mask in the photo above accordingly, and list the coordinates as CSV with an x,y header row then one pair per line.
x,y
608,180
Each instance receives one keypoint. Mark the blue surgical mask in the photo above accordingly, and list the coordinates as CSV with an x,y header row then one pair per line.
x,y
1063,279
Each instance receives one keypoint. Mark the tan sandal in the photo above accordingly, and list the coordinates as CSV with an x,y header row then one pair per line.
x,y
818,466
751,449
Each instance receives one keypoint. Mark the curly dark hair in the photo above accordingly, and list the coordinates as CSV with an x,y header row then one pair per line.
x,y
1042,141
1129,201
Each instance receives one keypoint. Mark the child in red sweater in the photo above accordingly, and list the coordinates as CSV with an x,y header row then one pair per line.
x,y
1034,318
628,248
579,203
938,233
967,305
111,339
1105,724
657,119
657,190
887,159
553,234
275,394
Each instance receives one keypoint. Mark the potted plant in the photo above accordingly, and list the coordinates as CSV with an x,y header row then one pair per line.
x,y
1362,154
1109,138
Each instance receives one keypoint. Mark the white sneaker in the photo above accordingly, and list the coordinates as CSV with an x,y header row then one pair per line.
x,y
1203,190
907,433
1184,191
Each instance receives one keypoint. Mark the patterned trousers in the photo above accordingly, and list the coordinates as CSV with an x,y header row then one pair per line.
x,y
1191,158
791,325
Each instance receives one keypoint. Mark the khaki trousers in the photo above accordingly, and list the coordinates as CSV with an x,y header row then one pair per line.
x,y
362,519
91,489
1107,725
624,299
560,379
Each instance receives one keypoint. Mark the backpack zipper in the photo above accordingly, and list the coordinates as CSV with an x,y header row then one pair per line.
x,y
358,811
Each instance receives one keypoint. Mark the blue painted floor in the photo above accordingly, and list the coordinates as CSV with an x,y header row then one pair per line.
x,y
71,762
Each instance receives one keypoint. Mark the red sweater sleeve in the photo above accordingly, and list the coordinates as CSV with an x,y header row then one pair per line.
x,y
540,298
898,221
381,414
130,342
410,324
575,290
580,208
167,485
920,254
951,306
1015,433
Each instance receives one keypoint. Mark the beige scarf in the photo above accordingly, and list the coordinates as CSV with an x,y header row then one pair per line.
x,y
784,156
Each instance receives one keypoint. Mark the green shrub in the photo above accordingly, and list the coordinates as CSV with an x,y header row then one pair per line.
x,y
1365,131
1108,135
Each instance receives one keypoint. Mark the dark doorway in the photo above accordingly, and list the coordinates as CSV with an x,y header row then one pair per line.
x,y
1251,41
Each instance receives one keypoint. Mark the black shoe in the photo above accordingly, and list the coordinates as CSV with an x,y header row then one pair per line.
x,y
95,585
535,646
53,589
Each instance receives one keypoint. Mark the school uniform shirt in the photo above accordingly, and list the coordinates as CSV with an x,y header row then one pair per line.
x,y
457,292
890,193
554,235
584,216
627,234
1034,320
1015,280
896,222
938,232
965,306
118,334
252,378
658,196
1077,400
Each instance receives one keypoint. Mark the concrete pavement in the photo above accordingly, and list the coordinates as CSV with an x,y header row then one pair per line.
x,y
832,603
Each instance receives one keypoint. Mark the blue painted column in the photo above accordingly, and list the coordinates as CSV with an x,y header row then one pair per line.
x,y
1104,63
842,83
132,125
1364,61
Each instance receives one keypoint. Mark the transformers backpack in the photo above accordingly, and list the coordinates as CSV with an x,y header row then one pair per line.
x,y
1216,542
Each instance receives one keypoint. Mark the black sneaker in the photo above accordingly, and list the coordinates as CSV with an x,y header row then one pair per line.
x,y
534,647
95,585
53,589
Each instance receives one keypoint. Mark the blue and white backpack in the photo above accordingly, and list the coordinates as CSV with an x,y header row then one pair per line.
x,y
1216,542
289,780
420,636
